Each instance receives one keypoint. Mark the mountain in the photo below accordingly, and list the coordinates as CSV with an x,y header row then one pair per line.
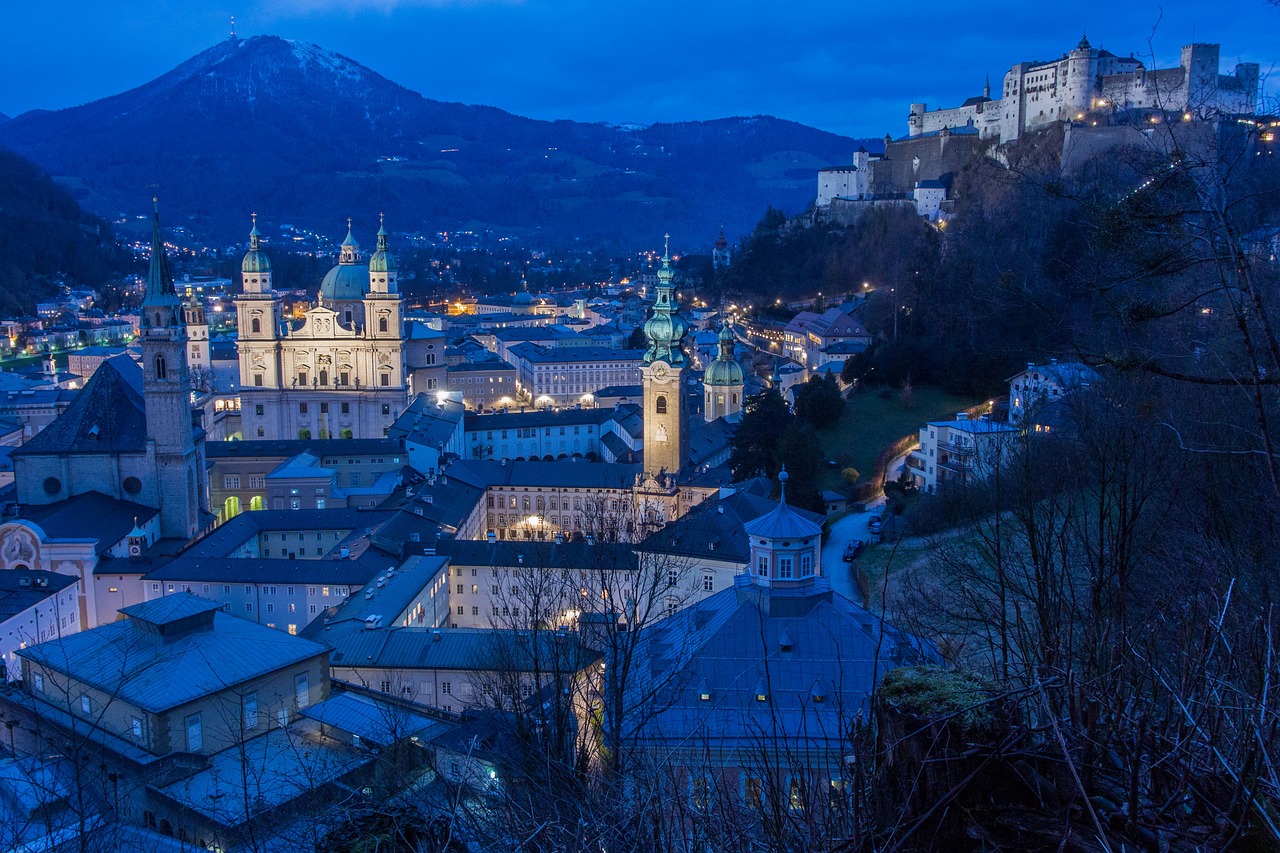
x,y
45,237
308,137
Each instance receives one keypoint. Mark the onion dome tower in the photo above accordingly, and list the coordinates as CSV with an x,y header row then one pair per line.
x,y
662,372
723,382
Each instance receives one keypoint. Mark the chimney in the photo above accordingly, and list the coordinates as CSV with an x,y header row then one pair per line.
x,y
962,416
435,635
344,552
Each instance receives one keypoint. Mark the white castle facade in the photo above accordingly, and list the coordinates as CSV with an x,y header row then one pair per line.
x,y
1088,80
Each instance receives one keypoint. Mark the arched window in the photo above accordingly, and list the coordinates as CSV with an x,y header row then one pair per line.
x,y
324,377
661,406
255,325
735,399
161,368
382,324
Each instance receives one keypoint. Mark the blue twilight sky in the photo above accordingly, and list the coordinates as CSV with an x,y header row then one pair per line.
x,y
849,67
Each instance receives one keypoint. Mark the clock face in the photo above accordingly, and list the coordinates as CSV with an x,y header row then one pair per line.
x,y
135,550
660,371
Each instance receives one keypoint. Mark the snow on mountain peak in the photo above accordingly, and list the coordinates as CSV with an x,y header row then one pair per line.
x,y
309,54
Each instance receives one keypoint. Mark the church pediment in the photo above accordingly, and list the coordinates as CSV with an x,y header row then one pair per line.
x,y
322,323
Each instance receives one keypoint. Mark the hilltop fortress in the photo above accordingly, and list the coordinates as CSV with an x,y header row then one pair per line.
x,y
1089,80
1093,94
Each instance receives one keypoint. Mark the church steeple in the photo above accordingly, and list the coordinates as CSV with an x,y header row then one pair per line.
x,y
664,329
662,372
161,307
166,387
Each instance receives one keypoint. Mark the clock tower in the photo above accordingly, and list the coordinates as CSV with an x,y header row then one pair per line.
x,y
662,372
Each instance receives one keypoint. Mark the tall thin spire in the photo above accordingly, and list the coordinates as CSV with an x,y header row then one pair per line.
x,y
783,476
159,277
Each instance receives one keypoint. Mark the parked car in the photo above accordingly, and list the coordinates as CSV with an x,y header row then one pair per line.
x,y
877,521
853,549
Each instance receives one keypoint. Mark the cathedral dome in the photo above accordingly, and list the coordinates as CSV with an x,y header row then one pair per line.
x,y
350,278
723,373
345,281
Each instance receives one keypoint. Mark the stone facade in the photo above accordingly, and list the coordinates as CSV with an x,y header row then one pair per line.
x,y
342,373
1089,80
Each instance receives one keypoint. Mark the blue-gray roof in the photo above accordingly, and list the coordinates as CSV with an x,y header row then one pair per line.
x,y
107,416
345,282
91,515
227,537
350,572
564,474
792,645
127,659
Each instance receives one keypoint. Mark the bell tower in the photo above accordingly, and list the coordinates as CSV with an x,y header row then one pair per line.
x,y
166,385
662,372
258,317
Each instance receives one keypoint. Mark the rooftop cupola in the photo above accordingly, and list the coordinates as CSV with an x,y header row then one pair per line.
x,y
786,547
349,252
349,280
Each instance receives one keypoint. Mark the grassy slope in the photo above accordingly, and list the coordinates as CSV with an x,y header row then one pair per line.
x,y
870,424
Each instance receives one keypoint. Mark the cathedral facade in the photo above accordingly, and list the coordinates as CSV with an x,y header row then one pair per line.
x,y
342,372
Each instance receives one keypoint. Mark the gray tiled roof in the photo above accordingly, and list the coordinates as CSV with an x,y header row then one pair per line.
x,y
227,537
715,528
543,555
128,660
350,572
107,416
465,649
556,475
731,644
536,419
91,515
287,448
21,588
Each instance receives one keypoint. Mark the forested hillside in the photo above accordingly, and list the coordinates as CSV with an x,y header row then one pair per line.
x,y
44,236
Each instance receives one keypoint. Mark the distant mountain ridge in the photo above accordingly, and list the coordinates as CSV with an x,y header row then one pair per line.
x,y
306,136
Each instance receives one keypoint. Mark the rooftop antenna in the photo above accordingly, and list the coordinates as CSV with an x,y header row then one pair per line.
x,y
233,27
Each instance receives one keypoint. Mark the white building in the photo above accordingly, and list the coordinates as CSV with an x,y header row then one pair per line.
x,y
1088,80
959,452
1046,383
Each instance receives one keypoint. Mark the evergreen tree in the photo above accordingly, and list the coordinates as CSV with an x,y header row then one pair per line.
x,y
818,401
764,421
796,449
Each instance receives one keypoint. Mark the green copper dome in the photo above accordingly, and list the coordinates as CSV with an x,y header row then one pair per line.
x,y
382,260
725,370
664,329
255,260
350,278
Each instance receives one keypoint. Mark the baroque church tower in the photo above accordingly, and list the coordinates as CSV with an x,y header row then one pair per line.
x,y
166,384
723,382
662,372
